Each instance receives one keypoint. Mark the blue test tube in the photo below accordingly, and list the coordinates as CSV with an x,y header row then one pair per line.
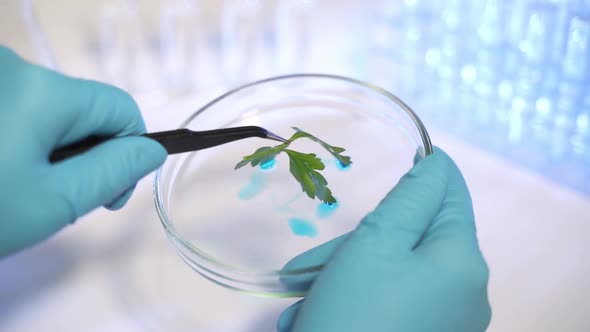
x,y
491,43
535,63
583,7
386,25
419,8
576,61
532,97
515,30
385,28
535,79
446,53
409,53
580,141
538,40
449,48
536,48
492,23
575,74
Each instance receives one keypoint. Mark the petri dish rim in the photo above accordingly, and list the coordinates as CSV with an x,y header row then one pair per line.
x,y
185,245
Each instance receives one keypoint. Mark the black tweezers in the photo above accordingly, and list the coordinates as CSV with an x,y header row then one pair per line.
x,y
175,141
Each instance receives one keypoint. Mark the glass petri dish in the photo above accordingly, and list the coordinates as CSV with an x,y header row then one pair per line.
x,y
239,228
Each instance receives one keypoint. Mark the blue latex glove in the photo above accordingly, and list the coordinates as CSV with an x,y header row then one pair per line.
x,y
41,110
413,264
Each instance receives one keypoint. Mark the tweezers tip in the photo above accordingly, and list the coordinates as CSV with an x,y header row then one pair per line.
x,y
275,137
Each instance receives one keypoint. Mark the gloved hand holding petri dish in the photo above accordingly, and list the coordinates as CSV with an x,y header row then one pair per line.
x,y
239,228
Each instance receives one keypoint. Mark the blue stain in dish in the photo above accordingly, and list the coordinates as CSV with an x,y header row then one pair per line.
x,y
326,209
341,166
254,187
301,227
268,165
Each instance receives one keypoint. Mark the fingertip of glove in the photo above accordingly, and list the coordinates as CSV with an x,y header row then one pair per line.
x,y
287,317
436,163
149,153
122,108
126,103
282,323
145,156
7,52
424,185
440,153
120,201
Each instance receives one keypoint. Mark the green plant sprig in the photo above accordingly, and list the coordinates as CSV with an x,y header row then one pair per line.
x,y
303,166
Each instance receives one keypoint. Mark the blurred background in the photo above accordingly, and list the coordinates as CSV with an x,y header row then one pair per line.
x,y
504,86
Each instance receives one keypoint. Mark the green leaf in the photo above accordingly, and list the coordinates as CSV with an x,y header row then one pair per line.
x,y
334,150
303,166
262,155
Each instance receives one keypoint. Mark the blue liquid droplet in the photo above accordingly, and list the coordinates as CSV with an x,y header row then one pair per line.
x,y
254,187
301,227
267,165
341,165
326,209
